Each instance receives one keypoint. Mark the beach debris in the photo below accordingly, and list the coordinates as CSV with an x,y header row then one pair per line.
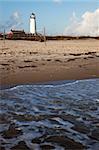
x,y
5,64
12,131
95,134
65,141
81,128
49,59
27,66
72,59
27,61
47,147
58,60
20,146
75,54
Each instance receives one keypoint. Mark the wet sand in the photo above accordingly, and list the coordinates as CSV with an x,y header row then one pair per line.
x,y
24,62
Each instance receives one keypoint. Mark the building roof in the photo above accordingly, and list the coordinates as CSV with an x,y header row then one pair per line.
x,y
17,31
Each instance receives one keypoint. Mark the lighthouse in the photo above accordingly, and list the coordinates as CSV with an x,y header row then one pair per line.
x,y
33,24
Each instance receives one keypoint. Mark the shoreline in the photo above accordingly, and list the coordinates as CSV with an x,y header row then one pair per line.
x,y
26,62
53,82
41,77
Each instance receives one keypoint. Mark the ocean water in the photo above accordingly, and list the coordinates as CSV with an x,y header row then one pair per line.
x,y
57,115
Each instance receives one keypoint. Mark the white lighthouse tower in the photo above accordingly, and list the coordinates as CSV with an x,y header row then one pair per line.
x,y
33,24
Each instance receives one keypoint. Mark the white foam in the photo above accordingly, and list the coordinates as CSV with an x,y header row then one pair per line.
x,y
97,100
50,85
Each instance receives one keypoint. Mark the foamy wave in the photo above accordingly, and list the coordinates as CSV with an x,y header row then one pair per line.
x,y
52,84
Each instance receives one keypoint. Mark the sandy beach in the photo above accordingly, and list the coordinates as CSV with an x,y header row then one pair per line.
x,y
23,62
60,116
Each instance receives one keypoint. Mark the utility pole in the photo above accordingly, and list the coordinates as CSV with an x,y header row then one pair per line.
x,y
3,45
4,37
44,37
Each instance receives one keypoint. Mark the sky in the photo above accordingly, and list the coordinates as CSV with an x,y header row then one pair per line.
x,y
59,17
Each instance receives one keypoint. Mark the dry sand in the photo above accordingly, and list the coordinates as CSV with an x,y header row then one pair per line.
x,y
23,62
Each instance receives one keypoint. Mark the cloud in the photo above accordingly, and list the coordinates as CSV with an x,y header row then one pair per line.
x,y
57,1
87,26
14,22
